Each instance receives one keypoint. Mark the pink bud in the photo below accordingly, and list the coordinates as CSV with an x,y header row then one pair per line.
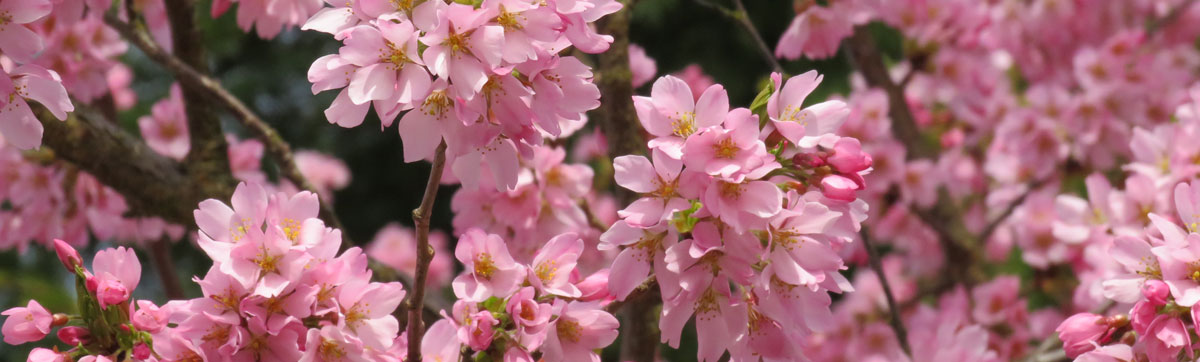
x,y
111,292
73,335
848,156
141,352
1156,291
838,188
1080,330
67,255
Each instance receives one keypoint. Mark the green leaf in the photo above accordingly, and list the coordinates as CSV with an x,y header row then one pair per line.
x,y
759,105
683,219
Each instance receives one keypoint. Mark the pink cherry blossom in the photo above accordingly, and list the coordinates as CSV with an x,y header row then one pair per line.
x,y
660,183
579,329
641,65
165,129
803,125
672,115
491,271
26,324
18,125
553,264
16,40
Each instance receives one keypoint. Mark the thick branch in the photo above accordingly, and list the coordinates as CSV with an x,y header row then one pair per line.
x,y
893,311
151,184
421,218
193,80
208,159
617,118
636,295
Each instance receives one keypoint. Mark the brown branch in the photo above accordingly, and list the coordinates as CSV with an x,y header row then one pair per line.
x,y
208,159
195,81
421,218
944,218
618,122
151,183
894,312
160,250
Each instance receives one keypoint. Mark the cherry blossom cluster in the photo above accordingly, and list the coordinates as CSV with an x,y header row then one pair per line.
x,y
1157,273
543,310
110,326
741,220
551,197
486,80
278,289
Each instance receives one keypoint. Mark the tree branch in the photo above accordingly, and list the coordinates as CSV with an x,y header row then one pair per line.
x,y
421,218
893,311
208,158
151,184
640,291
1008,210
195,81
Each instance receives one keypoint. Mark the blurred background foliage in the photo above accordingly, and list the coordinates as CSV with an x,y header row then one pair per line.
x,y
270,76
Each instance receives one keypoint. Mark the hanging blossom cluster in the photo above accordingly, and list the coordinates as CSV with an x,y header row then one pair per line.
x,y
486,80
741,221
542,310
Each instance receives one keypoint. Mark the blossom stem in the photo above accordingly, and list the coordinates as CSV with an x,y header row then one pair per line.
x,y
161,252
742,17
895,321
421,218
192,79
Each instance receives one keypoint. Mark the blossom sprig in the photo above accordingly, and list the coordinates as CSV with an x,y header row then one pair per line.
x,y
740,220
540,310
486,79
110,326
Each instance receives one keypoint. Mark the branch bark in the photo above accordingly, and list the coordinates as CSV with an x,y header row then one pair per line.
x,y
421,218
197,82
742,17
151,184
618,121
208,159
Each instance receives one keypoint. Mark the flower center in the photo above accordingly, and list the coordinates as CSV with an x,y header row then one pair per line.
x,y
509,20
546,271
395,56
457,42
725,148
291,228
684,124
330,350
266,262
437,104
730,190
484,266
568,330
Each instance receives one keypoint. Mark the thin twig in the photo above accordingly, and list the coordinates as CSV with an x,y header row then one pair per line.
x,y
1008,210
421,218
189,77
896,322
742,17
161,252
